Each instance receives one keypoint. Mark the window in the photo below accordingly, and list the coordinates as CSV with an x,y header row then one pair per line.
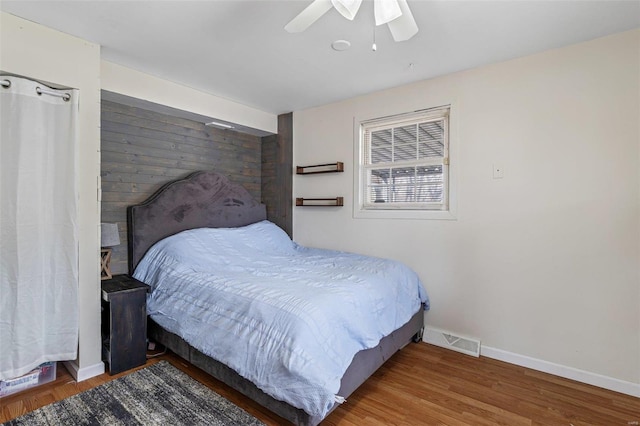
x,y
405,161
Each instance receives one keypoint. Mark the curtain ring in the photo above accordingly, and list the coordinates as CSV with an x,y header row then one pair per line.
x,y
5,83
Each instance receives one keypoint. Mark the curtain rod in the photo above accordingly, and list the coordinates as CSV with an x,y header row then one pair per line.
x,y
65,96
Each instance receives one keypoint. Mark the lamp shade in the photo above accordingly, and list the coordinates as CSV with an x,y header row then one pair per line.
x,y
109,236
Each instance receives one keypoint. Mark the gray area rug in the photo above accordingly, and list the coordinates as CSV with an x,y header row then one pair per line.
x,y
156,395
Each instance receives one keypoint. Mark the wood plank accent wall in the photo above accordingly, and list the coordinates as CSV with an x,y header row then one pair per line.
x,y
141,150
277,174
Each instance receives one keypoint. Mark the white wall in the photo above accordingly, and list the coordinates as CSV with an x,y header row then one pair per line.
x,y
126,81
37,52
543,263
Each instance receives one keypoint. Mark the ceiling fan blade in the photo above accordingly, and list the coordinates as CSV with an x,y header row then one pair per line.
x,y
386,11
308,16
404,27
347,8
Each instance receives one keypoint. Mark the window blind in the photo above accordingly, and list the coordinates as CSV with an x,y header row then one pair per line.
x,y
405,160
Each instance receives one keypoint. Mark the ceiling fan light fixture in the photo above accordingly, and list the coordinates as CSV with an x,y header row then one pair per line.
x,y
395,13
386,11
347,8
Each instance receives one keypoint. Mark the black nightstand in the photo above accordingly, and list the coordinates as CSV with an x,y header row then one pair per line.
x,y
124,323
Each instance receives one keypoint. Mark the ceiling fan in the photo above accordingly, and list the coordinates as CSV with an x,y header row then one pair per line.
x,y
394,13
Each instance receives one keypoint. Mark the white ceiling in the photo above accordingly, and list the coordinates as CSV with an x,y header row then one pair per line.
x,y
239,50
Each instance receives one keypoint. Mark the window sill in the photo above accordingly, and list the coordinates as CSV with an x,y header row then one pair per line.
x,y
359,213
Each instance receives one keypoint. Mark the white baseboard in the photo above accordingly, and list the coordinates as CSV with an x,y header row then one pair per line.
x,y
85,373
594,379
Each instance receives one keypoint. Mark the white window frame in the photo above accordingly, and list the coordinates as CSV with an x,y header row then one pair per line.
x,y
362,208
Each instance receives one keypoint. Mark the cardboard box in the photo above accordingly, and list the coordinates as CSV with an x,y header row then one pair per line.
x,y
40,375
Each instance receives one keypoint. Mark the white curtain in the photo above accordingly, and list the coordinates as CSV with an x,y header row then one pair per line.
x,y
38,225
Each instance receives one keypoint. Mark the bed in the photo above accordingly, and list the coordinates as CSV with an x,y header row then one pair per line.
x,y
206,210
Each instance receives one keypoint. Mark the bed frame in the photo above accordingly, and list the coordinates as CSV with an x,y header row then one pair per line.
x,y
208,199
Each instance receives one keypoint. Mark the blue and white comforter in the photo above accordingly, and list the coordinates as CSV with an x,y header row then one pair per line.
x,y
287,318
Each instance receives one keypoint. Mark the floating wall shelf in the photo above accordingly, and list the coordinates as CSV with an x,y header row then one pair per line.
x,y
315,169
320,202
320,168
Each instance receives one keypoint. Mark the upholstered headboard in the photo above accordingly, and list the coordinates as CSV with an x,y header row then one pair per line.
x,y
202,199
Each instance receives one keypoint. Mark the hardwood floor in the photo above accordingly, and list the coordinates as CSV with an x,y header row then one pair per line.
x,y
421,385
